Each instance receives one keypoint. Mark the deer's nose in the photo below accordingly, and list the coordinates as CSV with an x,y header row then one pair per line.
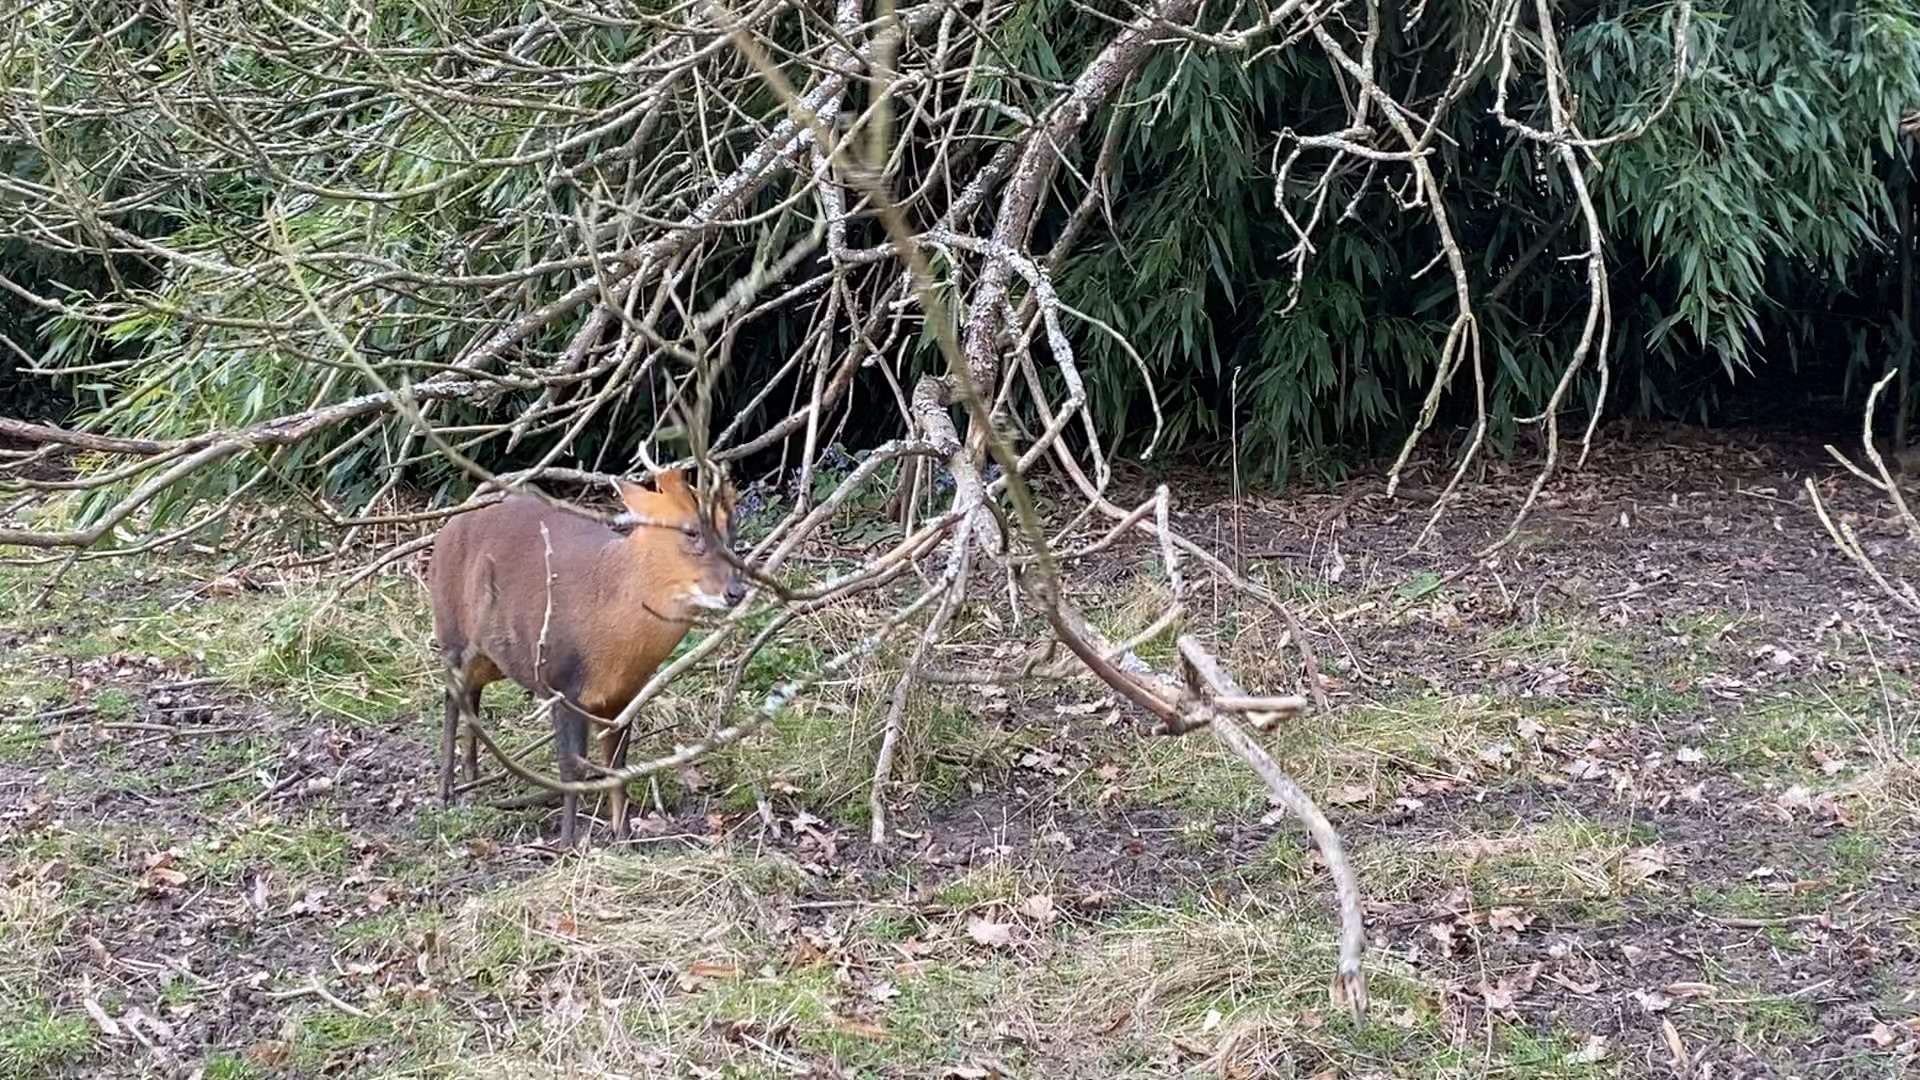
x,y
736,590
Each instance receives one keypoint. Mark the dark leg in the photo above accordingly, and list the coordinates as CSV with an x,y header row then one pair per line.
x,y
449,734
570,742
473,741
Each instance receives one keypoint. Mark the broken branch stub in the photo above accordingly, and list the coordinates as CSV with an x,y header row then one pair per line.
x,y
1212,691
1212,699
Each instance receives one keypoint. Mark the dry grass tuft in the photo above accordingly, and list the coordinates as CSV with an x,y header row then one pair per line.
x,y
33,910
604,947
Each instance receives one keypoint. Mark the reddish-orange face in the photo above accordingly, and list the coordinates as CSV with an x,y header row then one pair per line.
x,y
684,552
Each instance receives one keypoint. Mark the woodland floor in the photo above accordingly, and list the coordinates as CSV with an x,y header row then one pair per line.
x,y
1641,799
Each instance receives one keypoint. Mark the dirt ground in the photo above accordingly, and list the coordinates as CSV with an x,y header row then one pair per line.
x,y
1639,796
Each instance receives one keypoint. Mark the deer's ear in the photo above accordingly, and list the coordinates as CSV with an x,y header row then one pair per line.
x,y
670,481
634,497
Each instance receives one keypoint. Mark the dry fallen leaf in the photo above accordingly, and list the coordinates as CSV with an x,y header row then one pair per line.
x,y
1509,918
1653,1002
1350,794
1497,998
1881,1035
1596,1050
652,824
269,1053
1681,1059
1884,1035
1511,987
1688,990
1643,863
134,1020
1039,907
161,871
104,1022
691,778
866,1029
1585,769
162,878
994,935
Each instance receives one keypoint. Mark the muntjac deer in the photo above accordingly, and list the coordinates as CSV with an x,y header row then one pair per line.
x,y
562,604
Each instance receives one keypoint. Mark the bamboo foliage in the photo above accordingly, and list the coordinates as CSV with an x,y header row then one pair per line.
x,y
435,170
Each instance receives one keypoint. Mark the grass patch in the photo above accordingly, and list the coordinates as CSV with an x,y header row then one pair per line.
x,y
1779,1021
1247,979
36,1040
1572,867
1195,775
24,690
451,824
1617,661
708,967
387,1040
1363,754
1771,1023
95,864
1567,862
1748,901
1399,868
388,927
225,1066
33,910
995,882
1801,881
1784,739
363,657
21,741
1856,855
113,703
818,754
304,851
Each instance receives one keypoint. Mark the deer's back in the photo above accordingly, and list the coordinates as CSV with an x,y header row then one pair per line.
x,y
584,629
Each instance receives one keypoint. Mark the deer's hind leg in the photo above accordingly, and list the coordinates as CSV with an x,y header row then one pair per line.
x,y
449,735
570,744
471,762
464,678
477,672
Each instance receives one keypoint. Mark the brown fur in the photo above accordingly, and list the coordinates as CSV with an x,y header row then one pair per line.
x,y
615,607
